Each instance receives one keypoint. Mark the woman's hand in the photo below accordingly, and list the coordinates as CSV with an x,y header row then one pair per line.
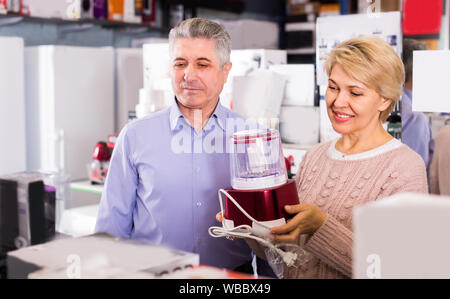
x,y
219,217
307,221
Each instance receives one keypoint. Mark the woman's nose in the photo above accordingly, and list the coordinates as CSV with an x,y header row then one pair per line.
x,y
341,99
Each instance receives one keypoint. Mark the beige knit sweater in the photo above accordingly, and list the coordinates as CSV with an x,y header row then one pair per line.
x,y
335,186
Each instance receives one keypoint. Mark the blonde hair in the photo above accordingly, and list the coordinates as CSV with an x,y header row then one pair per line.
x,y
373,62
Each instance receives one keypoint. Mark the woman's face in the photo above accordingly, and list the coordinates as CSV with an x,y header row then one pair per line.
x,y
352,107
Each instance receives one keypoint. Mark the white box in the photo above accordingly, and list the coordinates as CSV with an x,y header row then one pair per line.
x,y
431,76
12,105
403,236
300,125
259,96
129,80
157,69
61,9
300,85
252,34
246,62
69,106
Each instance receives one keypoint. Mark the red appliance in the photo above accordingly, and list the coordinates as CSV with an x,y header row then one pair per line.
x,y
263,205
98,169
259,179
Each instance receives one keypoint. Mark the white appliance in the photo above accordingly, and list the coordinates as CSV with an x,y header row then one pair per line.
x,y
300,84
69,106
12,109
300,125
129,80
402,236
431,68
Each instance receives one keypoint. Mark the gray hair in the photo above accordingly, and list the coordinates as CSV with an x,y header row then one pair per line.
x,y
409,46
203,28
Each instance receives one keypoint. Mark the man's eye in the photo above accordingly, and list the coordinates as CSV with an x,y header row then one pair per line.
x,y
203,65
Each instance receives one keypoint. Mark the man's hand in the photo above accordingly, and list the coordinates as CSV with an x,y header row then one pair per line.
x,y
307,221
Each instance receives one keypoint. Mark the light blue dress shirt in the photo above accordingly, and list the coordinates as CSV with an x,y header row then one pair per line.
x,y
162,185
416,129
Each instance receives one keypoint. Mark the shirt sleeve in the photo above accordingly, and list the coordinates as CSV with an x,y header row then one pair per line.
x,y
115,215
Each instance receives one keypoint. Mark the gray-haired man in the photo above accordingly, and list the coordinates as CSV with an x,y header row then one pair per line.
x,y
155,191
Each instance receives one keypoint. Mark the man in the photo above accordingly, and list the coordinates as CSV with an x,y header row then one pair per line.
x,y
166,168
416,129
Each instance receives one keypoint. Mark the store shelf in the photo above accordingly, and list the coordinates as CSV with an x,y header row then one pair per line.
x,y
106,24
86,186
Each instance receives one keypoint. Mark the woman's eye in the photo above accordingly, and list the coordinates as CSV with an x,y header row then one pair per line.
x,y
356,94
332,87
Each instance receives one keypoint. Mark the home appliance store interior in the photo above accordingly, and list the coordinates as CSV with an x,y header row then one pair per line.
x,y
260,139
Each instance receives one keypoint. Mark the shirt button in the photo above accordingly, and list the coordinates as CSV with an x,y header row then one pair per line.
x,y
199,204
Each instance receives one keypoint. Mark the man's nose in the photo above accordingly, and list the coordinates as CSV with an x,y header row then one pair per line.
x,y
190,73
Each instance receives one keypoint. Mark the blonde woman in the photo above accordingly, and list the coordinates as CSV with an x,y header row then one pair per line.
x,y
365,164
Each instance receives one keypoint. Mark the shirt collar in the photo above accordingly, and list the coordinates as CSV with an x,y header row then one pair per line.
x,y
219,115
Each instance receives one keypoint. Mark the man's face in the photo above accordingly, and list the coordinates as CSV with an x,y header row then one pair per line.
x,y
197,77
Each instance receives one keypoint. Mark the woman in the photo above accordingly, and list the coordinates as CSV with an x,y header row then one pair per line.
x,y
365,164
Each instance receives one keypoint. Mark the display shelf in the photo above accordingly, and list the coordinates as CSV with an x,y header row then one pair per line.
x,y
10,19
86,186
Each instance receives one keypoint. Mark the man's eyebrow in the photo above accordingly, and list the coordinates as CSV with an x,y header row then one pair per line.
x,y
204,58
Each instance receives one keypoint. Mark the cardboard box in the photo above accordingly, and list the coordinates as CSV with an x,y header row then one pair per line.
x,y
405,235
300,125
300,85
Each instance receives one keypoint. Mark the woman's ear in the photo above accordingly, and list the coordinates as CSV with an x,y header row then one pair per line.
x,y
385,103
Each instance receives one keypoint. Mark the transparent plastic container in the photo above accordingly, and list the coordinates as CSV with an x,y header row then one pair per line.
x,y
257,160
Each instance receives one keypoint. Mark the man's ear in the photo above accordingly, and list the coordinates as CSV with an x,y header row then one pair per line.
x,y
226,69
